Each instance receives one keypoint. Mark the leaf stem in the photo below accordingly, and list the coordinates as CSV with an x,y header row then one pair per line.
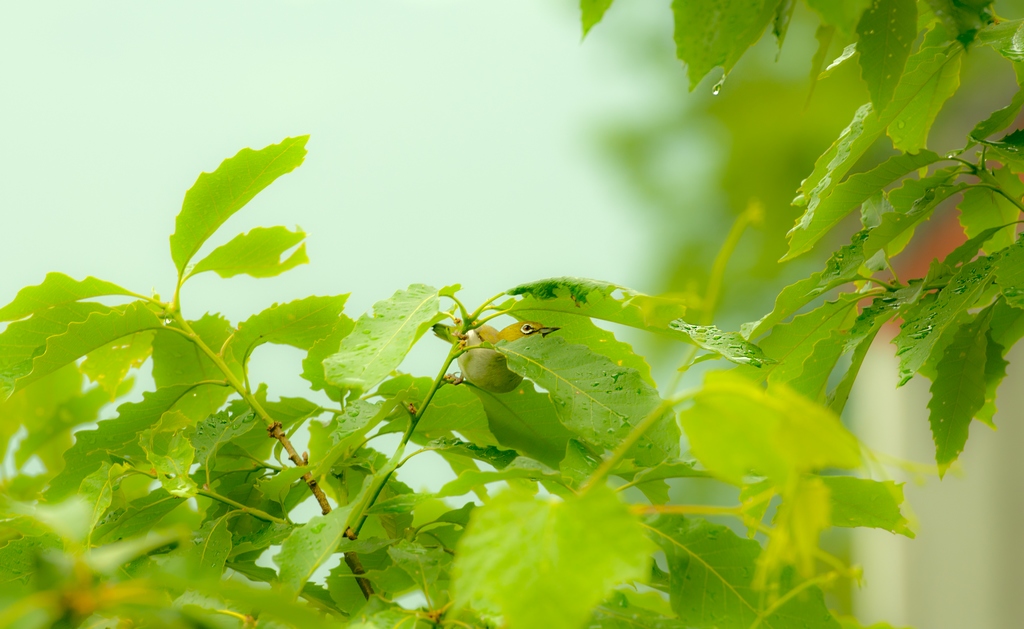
x,y
753,214
254,512
476,313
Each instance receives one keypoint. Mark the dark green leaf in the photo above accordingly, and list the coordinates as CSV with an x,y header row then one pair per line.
x,y
216,196
862,502
380,340
821,215
594,397
780,24
257,253
885,32
525,421
521,556
711,572
57,289
958,391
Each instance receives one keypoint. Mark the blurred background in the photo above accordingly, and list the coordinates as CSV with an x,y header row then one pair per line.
x,y
483,143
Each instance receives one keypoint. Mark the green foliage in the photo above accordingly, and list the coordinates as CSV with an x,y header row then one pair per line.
x,y
166,510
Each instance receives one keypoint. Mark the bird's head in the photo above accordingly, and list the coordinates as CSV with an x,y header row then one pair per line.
x,y
522,329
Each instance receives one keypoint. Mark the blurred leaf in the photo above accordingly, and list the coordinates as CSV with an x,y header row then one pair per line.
x,y
621,613
885,32
717,32
821,215
56,289
592,11
736,427
380,341
69,519
843,14
594,397
309,546
108,366
793,541
256,253
1001,118
780,24
958,391
209,547
216,196
525,420
523,557
711,572
97,489
861,502
19,558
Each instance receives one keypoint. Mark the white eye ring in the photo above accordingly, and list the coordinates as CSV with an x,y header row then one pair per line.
x,y
527,329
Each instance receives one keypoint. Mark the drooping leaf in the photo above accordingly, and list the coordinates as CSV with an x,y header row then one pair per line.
x,y
923,326
821,215
216,196
958,391
525,421
781,21
57,289
711,574
593,397
736,427
717,33
1001,118
885,32
730,345
591,12
843,14
824,35
380,341
300,323
309,546
862,502
521,556
108,366
256,253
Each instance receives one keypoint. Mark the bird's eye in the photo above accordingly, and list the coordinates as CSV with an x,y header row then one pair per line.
x,y
527,329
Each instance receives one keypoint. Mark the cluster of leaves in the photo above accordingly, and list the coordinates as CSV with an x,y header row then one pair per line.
x,y
189,508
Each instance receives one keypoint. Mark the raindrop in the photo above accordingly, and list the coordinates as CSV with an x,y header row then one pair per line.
x,y
717,89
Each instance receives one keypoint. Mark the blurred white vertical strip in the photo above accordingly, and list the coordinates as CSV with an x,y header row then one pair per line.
x,y
966,566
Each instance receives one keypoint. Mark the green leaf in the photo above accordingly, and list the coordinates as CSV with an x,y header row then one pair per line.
x,y
453,409
177,360
582,331
344,433
849,622
138,516
984,208
600,300
843,14
730,345
822,214
963,18
629,610
308,547
711,572
209,547
257,253
97,489
594,397
1009,274
592,11
108,366
525,421
780,24
380,341
1001,118
958,391
425,566
300,323
736,427
22,341
120,435
934,190
99,329
19,559
313,363
909,130
56,289
1007,37
862,502
923,326
717,32
216,196
495,457
522,557
169,452
209,434
885,32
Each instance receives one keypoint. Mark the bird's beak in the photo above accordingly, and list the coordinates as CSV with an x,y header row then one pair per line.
x,y
546,331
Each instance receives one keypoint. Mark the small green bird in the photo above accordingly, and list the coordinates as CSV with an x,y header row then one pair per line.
x,y
488,369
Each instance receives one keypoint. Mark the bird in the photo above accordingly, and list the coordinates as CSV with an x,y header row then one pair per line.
x,y
486,368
